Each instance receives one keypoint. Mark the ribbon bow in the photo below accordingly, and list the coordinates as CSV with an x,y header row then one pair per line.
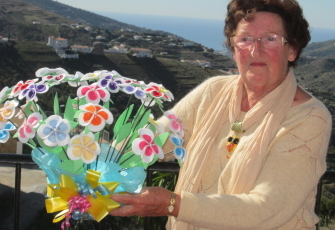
x,y
92,197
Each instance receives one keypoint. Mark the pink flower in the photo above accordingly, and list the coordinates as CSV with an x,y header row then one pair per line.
x,y
175,124
27,129
158,91
93,93
146,147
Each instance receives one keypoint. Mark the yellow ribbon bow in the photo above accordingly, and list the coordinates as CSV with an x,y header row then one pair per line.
x,y
100,201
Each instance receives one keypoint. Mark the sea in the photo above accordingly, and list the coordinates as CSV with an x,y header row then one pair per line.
x,y
207,32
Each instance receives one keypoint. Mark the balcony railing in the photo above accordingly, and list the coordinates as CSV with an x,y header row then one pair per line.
x,y
18,160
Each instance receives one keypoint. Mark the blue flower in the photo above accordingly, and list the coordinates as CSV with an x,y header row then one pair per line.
x,y
179,152
4,133
55,132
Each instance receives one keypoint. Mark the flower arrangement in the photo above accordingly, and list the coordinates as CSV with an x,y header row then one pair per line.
x,y
83,169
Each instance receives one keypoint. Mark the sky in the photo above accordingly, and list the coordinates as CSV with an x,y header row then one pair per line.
x,y
319,14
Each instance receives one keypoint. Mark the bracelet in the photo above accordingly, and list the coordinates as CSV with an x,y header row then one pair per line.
x,y
172,202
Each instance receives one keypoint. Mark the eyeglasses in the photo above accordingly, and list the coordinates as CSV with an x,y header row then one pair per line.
x,y
268,42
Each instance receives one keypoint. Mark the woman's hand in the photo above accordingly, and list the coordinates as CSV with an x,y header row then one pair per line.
x,y
151,201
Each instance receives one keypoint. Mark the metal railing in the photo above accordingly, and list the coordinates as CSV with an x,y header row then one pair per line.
x,y
18,160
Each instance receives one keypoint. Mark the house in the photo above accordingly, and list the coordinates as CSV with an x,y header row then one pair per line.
x,y
141,53
3,40
100,38
62,53
81,49
36,23
88,28
187,43
98,44
172,45
201,63
137,37
60,45
57,43
117,49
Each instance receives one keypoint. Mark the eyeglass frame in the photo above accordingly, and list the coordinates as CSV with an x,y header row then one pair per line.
x,y
284,40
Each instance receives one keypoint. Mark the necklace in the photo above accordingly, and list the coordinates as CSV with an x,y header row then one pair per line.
x,y
234,139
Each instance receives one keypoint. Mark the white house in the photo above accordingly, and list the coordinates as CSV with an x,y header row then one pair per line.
x,y
3,40
36,23
187,43
100,38
57,43
137,37
88,28
63,54
117,49
81,49
140,52
201,63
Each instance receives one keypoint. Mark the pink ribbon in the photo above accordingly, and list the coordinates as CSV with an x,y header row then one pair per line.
x,y
79,203
76,203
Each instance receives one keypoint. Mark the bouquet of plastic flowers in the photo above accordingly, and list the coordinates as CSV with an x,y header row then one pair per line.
x,y
86,153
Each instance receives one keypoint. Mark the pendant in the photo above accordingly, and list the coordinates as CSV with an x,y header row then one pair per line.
x,y
232,144
233,140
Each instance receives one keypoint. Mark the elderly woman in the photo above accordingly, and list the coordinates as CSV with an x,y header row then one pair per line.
x,y
256,142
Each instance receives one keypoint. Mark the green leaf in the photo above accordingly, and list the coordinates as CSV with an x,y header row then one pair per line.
x,y
76,115
55,149
86,130
143,122
130,160
123,119
159,103
31,146
31,143
16,135
123,132
27,111
82,101
72,166
56,105
152,128
97,136
161,139
73,124
43,114
106,105
62,155
69,110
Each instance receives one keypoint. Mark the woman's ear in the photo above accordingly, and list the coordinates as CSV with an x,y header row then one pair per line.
x,y
292,55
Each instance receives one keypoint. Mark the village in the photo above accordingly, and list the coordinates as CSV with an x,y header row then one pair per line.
x,y
66,50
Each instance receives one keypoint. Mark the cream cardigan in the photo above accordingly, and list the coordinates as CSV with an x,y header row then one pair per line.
x,y
283,195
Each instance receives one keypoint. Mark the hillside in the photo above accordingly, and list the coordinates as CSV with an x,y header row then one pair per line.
x,y
83,16
320,49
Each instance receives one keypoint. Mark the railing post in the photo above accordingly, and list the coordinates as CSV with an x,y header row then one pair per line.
x,y
17,196
147,219
318,201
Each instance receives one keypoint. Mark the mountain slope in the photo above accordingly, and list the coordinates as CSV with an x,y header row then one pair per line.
x,y
83,16
320,49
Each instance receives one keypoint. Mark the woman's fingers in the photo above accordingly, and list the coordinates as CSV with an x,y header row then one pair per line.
x,y
125,210
151,201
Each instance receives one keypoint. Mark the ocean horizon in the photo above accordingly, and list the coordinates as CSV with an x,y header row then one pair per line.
x,y
207,32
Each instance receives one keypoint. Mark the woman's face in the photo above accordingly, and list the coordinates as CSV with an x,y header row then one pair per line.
x,y
263,68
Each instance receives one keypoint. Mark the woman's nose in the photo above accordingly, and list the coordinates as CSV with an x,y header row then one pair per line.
x,y
257,48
